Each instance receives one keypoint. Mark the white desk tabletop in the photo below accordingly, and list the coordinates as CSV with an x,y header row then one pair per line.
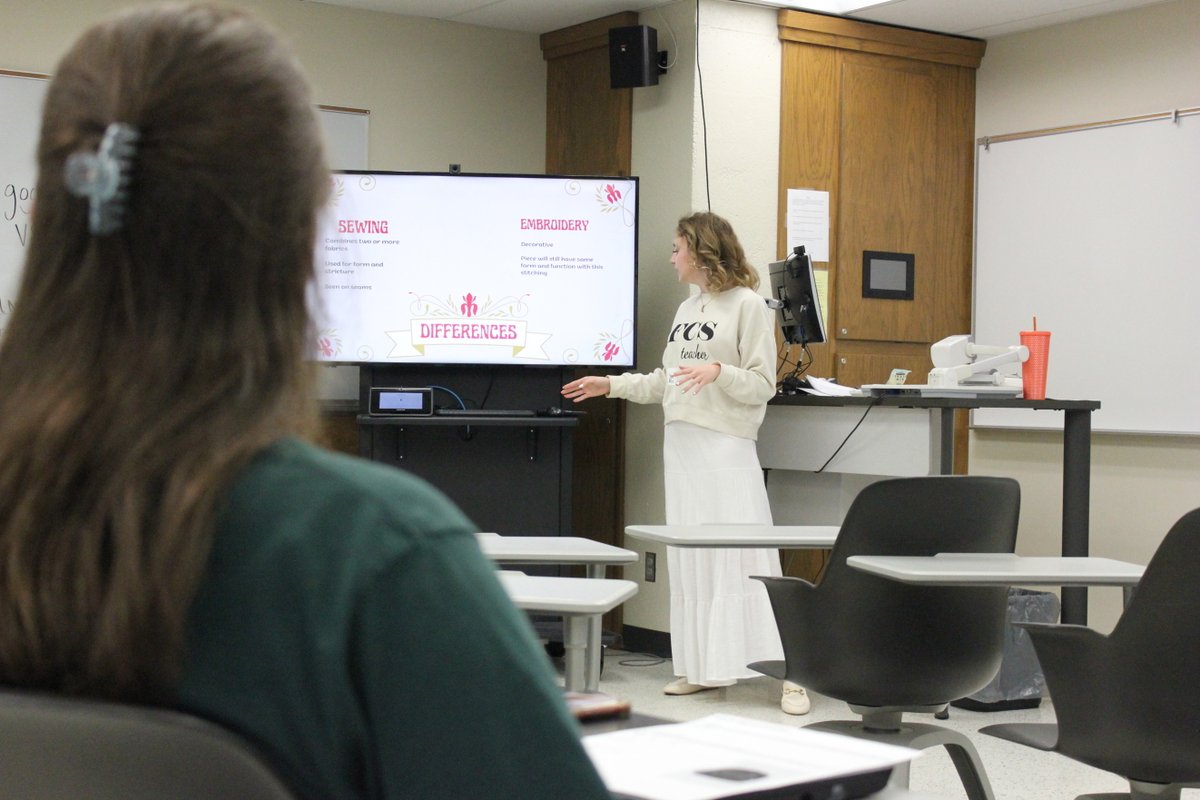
x,y
721,535
552,550
1000,569
565,595
895,793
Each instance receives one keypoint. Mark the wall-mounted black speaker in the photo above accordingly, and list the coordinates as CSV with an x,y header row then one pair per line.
x,y
633,56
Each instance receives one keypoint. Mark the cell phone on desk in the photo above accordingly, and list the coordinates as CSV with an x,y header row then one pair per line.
x,y
595,705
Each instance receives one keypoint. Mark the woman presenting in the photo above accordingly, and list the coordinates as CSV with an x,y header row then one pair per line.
x,y
717,375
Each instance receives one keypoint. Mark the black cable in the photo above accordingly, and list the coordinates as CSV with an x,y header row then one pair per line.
x,y
488,389
450,392
703,116
639,659
781,355
802,365
874,403
798,367
466,434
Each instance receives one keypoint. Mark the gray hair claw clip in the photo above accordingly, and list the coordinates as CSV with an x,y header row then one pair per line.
x,y
103,177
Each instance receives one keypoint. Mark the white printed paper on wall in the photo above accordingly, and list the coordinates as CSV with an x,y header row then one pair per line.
x,y
808,222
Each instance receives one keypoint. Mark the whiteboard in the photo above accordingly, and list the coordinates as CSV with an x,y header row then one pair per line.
x,y
20,114
346,147
1096,231
345,136
21,95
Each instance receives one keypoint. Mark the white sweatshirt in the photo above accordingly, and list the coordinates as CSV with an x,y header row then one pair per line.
x,y
733,328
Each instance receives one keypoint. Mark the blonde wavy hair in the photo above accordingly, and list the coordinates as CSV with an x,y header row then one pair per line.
x,y
714,245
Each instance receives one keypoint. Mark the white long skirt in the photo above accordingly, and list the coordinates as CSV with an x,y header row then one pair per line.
x,y
720,619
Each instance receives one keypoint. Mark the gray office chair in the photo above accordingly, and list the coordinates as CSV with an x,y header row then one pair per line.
x,y
887,647
1129,702
54,747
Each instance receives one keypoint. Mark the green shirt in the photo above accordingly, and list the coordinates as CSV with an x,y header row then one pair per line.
x,y
349,625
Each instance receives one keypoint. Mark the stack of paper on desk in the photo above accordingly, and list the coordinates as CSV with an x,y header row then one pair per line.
x,y
827,388
727,756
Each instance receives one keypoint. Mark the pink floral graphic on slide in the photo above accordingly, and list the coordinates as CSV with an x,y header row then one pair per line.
x,y
472,305
610,345
469,307
607,347
329,345
611,198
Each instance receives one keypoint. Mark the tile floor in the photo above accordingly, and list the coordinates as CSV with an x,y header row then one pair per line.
x,y
1015,772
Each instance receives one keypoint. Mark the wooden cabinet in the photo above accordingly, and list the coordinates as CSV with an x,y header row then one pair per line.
x,y
882,118
338,426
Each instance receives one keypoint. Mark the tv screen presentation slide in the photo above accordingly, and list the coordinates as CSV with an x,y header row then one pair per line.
x,y
477,269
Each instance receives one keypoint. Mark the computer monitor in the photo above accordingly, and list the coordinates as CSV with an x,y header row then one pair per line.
x,y
799,307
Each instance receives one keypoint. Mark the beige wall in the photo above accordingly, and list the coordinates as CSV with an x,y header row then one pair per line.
x,y
438,92
1119,65
739,64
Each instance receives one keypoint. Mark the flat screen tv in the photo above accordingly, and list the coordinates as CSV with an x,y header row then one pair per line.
x,y
437,268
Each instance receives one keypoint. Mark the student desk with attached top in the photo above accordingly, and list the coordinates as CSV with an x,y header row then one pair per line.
x,y
576,600
1002,569
720,535
570,550
837,782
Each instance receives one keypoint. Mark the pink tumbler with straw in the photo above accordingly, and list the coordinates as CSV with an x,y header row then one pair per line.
x,y
1033,370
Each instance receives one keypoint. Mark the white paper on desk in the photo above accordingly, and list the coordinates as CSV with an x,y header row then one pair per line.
x,y
827,388
668,762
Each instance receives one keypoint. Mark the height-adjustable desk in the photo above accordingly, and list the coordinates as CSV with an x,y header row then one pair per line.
x,y
915,436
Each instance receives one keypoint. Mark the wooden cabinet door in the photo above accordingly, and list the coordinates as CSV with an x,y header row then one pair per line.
x,y
888,167
858,368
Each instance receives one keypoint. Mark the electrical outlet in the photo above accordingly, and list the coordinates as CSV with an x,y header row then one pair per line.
x,y
651,567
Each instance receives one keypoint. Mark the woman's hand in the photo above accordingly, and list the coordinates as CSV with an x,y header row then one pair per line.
x,y
583,388
693,378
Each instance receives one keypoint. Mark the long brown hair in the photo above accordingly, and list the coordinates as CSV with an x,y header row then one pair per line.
x,y
141,370
711,240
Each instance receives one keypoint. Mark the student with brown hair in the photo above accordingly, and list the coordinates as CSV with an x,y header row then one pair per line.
x,y
717,375
167,536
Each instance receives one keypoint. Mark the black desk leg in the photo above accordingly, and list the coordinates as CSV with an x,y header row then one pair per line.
x,y
1077,466
947,460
